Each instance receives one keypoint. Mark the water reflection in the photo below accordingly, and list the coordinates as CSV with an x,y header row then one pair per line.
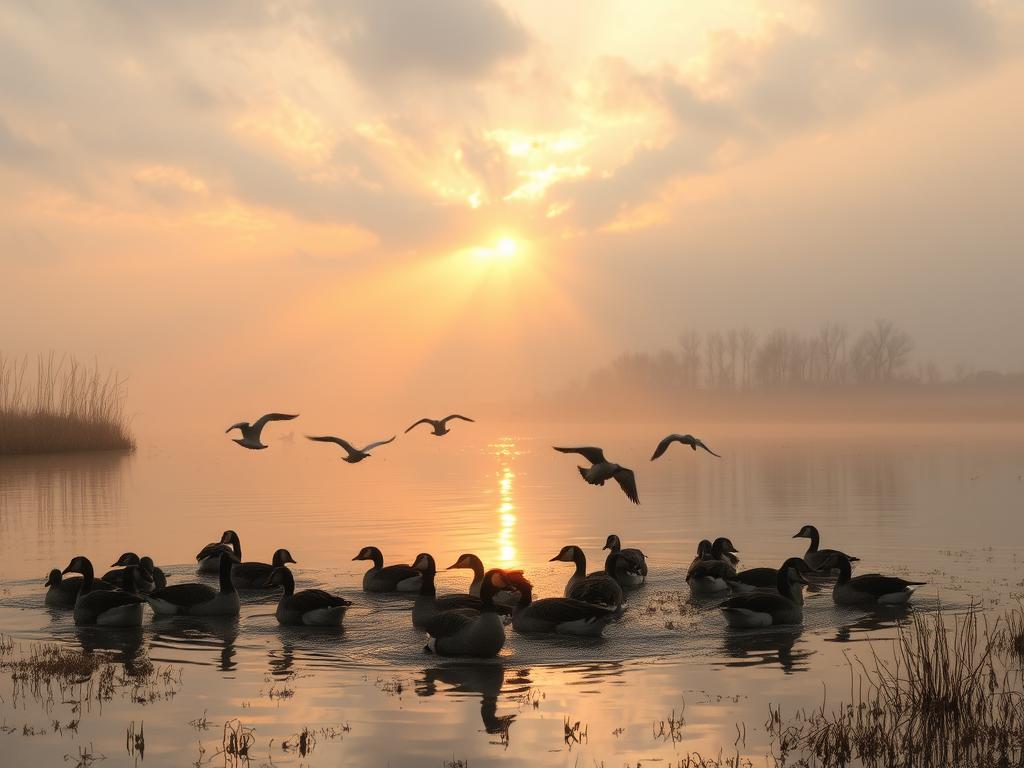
x,y
483,679
123,643
750,649
217,634
881,619
506,450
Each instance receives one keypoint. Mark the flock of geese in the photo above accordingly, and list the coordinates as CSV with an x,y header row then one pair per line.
x,y
471,623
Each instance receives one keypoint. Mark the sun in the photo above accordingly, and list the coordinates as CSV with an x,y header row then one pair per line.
x,y
506,248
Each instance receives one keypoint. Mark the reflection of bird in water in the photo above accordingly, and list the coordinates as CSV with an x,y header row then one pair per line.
x,y
882,619
762,648
125,642
281,665
483,679
214,632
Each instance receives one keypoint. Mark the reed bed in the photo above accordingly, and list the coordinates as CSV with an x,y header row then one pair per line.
x,y
66,406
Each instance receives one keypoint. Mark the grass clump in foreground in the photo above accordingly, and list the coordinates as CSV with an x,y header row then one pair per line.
x,y
67,406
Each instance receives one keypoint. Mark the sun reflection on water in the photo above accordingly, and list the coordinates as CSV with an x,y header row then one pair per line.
x,y
506,451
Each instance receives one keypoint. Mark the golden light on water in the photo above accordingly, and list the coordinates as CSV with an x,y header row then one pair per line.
x,y
508,554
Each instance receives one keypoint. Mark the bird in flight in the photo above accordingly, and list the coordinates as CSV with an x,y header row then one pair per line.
x,y
355,455
601,469
251,432
440,425
689,440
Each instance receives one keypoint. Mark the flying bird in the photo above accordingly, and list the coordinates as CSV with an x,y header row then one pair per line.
x,y
689,440
251,432
355,455
440,425
601,469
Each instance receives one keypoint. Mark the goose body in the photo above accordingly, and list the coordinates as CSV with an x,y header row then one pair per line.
x,y
820,559
468,633
870,589
146,563
598,588
427,604
229,546
62,592
561,615
391,578
601,470
710,571
632,570
767,609
251,433
439,426
504,598
753,579
198,599
254,575
103,607
309,607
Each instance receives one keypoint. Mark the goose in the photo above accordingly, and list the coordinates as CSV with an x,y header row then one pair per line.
x,y
209,556
130,558
104,607
689,440
198,599
637,573
599,587
814,557
440,425
392,578
251,432
61,592
255,575
312,607
562,615
601,470
870,588
710,570
355,455
766,609
723,549
428,604
753,579
505,597
467,633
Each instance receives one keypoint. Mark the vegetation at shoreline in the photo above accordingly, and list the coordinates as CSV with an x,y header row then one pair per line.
x,y
66,406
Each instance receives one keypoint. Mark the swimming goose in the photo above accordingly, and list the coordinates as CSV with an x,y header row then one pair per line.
x,y
198,599
146,563
637,572
251,432
689,440
753,579
355,455
107,608
505,598
311,607
428,604
599,587
562,615
467,633
723,549
440,425
766,609
209,556
254,575
61,592
710,570
814,557
870,588
601,470
392,578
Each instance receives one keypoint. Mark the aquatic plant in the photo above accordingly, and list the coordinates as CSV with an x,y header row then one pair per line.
x,y
67,406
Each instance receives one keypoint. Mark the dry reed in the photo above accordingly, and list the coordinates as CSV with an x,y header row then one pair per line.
x,y
66,406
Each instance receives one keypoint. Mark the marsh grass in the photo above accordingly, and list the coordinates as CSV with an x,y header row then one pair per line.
x,y
66,406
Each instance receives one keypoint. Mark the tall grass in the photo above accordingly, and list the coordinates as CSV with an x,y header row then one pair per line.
x,y
65,406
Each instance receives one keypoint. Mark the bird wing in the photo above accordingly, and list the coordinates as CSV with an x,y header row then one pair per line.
x,y
421,421
337,441
762,602
314,599
185,595
457,602
262,420
878,585
560,609
664,444
379,443
104,600
590,453
627,482
239,425
446,419
712,568
701,444
212,550
448,623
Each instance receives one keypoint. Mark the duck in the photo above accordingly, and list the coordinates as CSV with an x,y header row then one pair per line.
x,y
196,599
723,549
61,592
255,575
561,615
209,556
428,604
814,557
636,574
466,632
599,587
309,607
439,426
251,433
391,578
601,469
505,597
103,607
709,572
869,589
130,558
768,609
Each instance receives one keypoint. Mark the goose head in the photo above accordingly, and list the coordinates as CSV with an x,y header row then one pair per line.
x,y
368,553
567,554
229,537
79,564
137,579
147,564
424,563
279,577
281,557
128,558
517,580
612,543
703,549
807,532
467,560
722,545
54,578
797,567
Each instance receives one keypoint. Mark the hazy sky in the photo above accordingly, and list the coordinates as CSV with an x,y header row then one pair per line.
x,y
341,205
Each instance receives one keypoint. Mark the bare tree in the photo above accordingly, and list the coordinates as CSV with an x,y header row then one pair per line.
x,y
831,347
880,352
748,349
689,345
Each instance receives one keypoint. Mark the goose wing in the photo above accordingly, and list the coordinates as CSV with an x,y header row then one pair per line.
x,y
561,609
710,568
379,443
184,595
345,444
393,574
878,585
314,599
214,549
448,623
627,482
597,588
760,602
104,600
762,578
590,453
458,602
417,423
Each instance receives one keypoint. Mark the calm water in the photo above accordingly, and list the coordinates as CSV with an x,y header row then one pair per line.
x,y
940,503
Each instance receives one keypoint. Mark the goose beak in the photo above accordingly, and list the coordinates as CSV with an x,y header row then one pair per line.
x,y
357,557
554,559
453,565
797,535
289,560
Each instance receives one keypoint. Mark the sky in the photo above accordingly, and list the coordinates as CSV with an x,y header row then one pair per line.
x,y
346,206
